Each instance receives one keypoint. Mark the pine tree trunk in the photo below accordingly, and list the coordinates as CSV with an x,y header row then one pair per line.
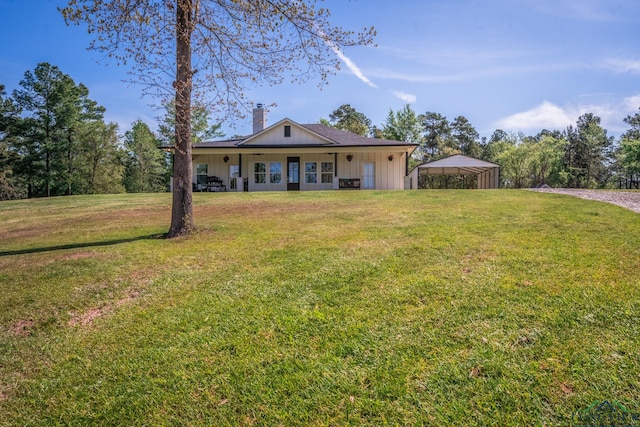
x,y
182,207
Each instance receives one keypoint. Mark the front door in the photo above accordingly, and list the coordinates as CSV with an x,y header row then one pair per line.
x,y
293,173
369,176
234,173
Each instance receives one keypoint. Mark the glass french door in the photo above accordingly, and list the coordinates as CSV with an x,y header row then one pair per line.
x,y
368,176
293,173
234,173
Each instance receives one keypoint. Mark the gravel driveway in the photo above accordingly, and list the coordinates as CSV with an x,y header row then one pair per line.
x,y
627,199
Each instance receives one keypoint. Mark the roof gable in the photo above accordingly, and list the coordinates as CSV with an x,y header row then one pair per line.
x,y
276,136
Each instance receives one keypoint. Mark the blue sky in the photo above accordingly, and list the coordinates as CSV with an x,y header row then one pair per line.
x,y
518,65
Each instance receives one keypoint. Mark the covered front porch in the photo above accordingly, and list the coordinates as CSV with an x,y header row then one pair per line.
x,y
305,170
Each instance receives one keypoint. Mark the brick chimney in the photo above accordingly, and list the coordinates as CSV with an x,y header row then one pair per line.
x,y
259,118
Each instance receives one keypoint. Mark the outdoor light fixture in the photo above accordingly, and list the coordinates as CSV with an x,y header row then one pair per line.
x,y
225,158
349,157
390,157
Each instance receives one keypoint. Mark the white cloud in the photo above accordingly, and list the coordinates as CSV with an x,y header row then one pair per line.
x,y
623,65
553,117
544,116
406,97
632,103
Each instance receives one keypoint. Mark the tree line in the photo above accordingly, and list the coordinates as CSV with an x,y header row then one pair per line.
x,y
55,141
581,156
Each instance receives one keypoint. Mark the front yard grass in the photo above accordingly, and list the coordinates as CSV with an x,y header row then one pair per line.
x,y
328,308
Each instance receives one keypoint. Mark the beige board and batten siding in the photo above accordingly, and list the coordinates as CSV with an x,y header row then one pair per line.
x,y
389,174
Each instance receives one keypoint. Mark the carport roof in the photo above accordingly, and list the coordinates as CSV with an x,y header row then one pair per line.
x,y
457,164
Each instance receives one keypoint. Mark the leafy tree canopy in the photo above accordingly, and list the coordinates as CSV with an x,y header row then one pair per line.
x,y
201,129
349,119
403,125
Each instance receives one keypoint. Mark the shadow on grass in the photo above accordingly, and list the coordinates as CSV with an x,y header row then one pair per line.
x,y
82,245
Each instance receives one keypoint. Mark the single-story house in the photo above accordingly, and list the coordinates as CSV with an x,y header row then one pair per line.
x,y
290,156
488,173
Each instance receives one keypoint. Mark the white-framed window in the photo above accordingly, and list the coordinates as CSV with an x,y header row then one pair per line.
x,y
327,172
275,172
310,173
260,173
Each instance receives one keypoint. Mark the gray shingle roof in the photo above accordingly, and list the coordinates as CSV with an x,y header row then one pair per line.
x,y
345,138
336,136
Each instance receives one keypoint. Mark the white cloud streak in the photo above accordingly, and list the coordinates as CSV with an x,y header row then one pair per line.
x,y
406,97
475,74
352,66
347,61
623,65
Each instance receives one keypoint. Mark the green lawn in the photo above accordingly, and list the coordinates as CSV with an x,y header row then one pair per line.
x,y
328,308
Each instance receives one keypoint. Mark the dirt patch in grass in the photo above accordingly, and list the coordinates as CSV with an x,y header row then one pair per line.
x,y
132,294
22,328
77,255
86,318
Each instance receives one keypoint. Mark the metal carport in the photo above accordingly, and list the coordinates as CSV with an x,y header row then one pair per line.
x,y
488,173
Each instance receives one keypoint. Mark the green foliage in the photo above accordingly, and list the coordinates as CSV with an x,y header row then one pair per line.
x,y
634,122
403,125
465,137
588,154
436,135
630,155
547,161
146,166
10,186
441,138
349,119
101,167
515,162
201,129
470,308
42,98
527,161
55,152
